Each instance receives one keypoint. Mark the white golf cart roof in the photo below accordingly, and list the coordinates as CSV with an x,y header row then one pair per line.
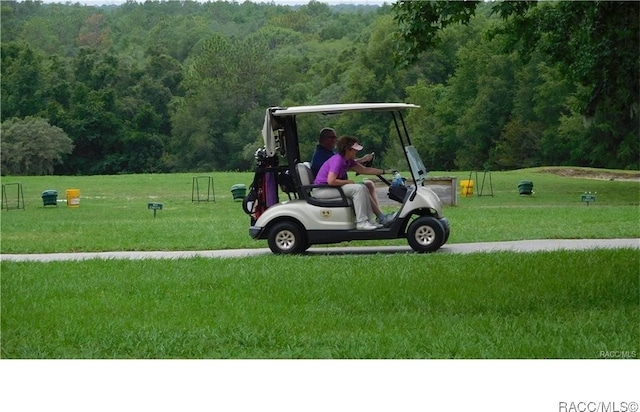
x,y
340,108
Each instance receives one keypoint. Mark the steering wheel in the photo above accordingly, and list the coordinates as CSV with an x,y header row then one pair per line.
x,y
369,163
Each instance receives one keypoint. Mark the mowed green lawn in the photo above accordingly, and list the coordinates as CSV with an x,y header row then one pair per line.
x,y
113,213
580,304
502,305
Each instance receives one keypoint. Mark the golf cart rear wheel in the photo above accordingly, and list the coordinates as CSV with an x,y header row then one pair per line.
x,y
426,234
287,238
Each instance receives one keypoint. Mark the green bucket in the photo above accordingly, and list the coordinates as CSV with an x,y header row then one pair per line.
x,y
50,198
525,187
239,191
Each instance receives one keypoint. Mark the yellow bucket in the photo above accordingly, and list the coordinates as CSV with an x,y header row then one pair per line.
x,y
467,187
73,197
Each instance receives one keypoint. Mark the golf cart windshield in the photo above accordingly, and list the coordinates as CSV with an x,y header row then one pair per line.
x,y
418,170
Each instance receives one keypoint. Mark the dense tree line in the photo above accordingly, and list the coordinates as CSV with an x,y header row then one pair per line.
x,y
569,69
182,86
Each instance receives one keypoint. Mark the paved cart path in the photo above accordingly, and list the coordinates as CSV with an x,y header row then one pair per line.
x,y
512,246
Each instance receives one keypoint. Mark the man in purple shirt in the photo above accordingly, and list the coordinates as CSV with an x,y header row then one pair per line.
x,y
333,173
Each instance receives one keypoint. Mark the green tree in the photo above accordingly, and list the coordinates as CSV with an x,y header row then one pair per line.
x,y
421,22
31,146
94,33
36,31
373,78
22,84
436,145
595,44
228,79
476,104
92,117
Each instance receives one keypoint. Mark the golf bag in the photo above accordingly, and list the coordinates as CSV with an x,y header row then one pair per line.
x,y
263,191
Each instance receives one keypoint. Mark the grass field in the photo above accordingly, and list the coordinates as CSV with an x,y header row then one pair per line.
x,y
503,305
113,213
401,306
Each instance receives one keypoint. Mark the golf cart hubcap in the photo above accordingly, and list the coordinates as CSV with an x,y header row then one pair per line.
x,y
425,235
285,240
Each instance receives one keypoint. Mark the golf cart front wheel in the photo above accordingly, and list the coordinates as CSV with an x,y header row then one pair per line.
x,y
286,238
426,234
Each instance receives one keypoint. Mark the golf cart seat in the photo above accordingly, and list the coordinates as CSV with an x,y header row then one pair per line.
x,y
306,189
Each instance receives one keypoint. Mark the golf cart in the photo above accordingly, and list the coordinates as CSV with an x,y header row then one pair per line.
x,y
293,225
